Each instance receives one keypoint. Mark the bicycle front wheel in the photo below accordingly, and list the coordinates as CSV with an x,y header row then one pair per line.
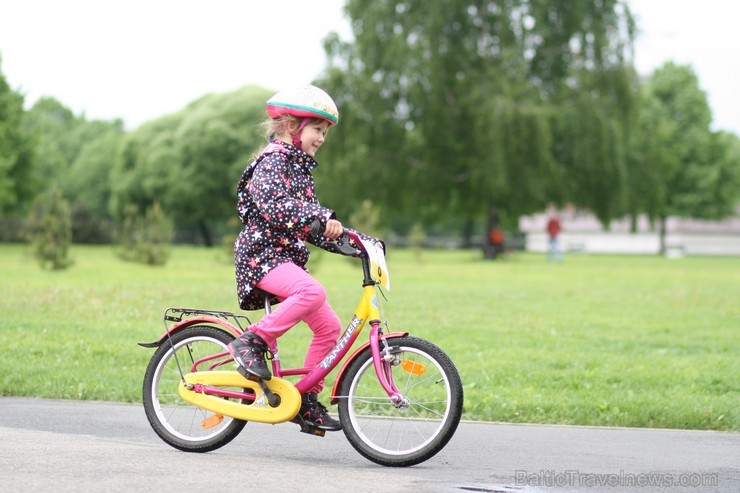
x,y
393,435
176,421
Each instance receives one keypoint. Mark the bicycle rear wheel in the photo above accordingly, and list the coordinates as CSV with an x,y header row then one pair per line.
x,y
179,423
405,435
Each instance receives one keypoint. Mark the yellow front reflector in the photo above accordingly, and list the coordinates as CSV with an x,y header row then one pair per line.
x,y
413,367
212,421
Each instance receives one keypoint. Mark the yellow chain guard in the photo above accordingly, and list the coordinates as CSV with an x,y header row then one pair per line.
x,y
259,411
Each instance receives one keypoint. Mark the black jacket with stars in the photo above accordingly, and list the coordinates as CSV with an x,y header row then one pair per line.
x,y
276,202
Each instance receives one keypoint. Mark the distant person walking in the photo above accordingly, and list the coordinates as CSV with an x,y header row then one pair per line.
x,y
553,244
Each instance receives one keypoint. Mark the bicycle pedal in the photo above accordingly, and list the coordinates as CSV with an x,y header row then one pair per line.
x,y
313,431
306,428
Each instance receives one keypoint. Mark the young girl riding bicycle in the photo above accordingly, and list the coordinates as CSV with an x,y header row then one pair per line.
x,y
277,204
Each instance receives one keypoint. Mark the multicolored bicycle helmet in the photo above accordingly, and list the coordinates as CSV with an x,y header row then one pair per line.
x,y
304,102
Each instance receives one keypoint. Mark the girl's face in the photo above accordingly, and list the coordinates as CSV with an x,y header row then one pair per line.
x,y
313,135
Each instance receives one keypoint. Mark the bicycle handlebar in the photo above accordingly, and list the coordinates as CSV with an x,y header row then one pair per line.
x,y
340,245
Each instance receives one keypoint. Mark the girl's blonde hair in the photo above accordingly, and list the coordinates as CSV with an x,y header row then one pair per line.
x,y
273,127
283,125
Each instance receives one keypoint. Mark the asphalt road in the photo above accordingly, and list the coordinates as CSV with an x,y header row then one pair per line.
x,y
60,446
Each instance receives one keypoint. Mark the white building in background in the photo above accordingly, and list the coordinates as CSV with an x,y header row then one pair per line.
x,y
582,232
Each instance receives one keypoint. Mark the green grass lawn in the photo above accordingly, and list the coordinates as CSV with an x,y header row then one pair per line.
x,y
600,340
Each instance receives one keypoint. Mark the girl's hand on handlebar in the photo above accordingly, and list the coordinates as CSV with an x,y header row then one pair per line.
x,y
334,229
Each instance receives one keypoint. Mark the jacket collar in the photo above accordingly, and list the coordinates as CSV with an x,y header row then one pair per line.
x,y
298,155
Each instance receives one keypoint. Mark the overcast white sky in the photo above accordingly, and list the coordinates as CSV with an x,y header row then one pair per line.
x,y
141,59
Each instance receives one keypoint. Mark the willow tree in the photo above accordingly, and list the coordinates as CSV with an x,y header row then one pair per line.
x,y
452,106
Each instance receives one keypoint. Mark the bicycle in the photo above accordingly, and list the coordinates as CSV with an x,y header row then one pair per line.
x,y
399,397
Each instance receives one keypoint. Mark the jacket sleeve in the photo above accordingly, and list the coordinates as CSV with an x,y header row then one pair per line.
x,y
269,188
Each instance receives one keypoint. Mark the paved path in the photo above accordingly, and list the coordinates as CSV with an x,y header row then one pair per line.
x,y
61,446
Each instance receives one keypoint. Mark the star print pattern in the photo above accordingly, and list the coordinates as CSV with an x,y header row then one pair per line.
x,y
276,202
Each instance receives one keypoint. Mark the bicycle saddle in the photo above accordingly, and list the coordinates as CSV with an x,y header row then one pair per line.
x,y
270,299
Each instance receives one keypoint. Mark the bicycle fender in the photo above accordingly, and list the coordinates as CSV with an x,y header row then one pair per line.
x,y
189,322
348,361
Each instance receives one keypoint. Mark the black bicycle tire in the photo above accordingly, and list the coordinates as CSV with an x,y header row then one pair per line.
x,y
164,350
448,427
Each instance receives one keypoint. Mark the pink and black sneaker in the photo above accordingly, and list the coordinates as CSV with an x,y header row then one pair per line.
x,y
314,414
249,351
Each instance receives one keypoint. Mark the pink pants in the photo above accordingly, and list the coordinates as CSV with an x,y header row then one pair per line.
x,y
301,298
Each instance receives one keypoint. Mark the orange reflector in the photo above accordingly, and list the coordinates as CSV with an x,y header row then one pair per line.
x,y
212,421
413,367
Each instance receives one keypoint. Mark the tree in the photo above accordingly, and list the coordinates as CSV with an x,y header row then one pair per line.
x,y
467,100
49,123
16,152
88,183
591,150
649,159
76,155
191,161
696,173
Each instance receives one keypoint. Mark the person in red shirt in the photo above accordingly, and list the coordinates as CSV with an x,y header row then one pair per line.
x,y
553,244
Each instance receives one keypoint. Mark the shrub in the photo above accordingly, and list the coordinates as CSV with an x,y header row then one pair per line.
x,y
145,238
89,227
50,230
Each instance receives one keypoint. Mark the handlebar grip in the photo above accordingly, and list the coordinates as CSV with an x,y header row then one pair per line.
x,y
316,228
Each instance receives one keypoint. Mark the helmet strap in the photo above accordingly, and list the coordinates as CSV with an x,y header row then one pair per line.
x,y
297,135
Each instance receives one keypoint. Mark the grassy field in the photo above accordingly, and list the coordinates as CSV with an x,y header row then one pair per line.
x,y
600,340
